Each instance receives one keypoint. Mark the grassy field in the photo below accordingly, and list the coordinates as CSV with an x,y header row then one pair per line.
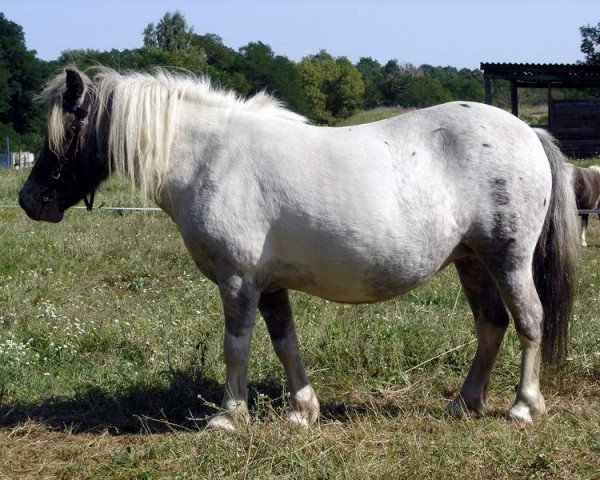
x,y
110,363
373,115
532,115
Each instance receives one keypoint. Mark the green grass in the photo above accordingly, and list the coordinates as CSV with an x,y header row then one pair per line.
x,y
373,115
110,363
533,115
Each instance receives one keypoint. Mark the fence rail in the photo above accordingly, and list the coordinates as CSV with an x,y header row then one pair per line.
x,y
156,209
589,211
105,208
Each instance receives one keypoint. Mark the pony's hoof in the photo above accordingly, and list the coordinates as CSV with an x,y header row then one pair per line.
x,y
459,408
221,421
299,419
234,413
520,413
525,411
305,407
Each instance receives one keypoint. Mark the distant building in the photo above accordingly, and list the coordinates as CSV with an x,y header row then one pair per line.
x,y
16,159
575,122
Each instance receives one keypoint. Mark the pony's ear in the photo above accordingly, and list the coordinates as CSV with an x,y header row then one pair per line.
x,y
74,85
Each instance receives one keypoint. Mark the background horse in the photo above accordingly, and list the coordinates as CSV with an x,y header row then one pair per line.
x,y
266,203
586,185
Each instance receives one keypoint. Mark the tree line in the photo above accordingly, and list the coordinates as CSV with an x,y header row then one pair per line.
x,y
322,87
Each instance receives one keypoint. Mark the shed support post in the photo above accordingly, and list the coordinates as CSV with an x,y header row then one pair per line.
x,y
550,107
514,98
487,83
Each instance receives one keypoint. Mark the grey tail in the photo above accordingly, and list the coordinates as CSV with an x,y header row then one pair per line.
x,y
555,257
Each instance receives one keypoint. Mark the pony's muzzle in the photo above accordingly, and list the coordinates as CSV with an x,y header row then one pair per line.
x,y
44,208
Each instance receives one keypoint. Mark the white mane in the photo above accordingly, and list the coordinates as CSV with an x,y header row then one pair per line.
x,y
141,112
595,168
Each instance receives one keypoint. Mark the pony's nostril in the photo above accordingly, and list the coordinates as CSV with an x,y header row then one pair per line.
x,y
48,196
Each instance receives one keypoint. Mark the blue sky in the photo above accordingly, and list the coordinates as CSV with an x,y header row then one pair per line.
x,y
461,33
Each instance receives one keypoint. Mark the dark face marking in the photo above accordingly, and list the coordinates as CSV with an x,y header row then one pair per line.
x,y
59,180
466,105
486,145
50,190
413,154
499,191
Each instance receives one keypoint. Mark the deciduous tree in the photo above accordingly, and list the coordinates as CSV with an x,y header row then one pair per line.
x,y
334,87
21,77
172,33
590,43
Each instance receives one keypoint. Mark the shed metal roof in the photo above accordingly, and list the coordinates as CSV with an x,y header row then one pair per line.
x,y
563,75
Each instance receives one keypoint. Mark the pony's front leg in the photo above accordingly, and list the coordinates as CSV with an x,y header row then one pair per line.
x,y
275,309
240,298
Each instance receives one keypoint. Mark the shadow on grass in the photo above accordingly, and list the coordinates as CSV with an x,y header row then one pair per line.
x,y
188,399
139,408
433,408
185,404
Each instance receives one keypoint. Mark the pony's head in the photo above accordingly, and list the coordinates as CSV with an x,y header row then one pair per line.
x,y
65,170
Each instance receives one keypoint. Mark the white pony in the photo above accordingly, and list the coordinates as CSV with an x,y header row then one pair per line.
x,y
266,203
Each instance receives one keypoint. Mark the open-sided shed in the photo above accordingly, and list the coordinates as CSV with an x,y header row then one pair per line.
x,y
575,123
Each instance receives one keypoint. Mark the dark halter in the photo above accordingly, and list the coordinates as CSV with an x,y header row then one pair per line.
x,y
77,128
79,112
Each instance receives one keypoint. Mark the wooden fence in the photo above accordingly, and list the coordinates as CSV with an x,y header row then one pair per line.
x,y
576,125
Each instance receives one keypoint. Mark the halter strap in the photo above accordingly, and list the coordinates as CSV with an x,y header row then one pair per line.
x,y
89,203
77,126
76,110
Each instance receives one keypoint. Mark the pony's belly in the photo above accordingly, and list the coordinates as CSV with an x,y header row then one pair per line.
x,y
376,292
369,284
372,272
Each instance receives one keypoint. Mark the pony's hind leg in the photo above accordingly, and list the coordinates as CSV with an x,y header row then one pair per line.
x,y
514,277
523,301
275,308
240,300
491,320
